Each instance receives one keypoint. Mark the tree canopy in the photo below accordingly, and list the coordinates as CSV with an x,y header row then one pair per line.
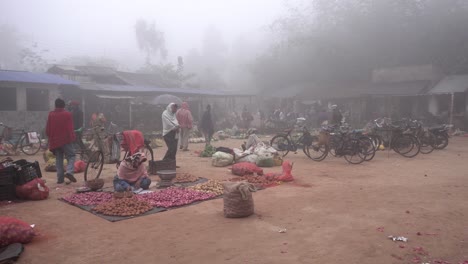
x,y
342,40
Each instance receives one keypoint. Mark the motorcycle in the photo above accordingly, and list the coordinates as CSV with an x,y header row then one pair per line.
x,y
441,136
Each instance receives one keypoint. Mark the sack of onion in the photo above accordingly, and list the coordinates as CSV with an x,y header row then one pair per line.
x,y
238,200
123,207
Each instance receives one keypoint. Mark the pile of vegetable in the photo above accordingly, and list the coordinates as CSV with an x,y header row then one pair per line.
x,y
185,177
208,152
88,198
172,197
211,186
258,181
123,207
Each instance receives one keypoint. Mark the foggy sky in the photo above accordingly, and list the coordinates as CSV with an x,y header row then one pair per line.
x,y
105,27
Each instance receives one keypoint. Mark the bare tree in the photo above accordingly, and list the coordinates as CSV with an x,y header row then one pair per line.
x,y
150,40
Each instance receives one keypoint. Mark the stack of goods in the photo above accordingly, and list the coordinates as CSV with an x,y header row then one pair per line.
x,y
172,197
21,179
123,207
238,200
211,186
246,168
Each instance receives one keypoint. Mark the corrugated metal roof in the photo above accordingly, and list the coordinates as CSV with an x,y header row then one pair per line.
x,y
130,88
288,92
106,96
398,89
33,77
451,84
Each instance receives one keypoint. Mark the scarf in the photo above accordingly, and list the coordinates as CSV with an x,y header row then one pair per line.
x,y
169,120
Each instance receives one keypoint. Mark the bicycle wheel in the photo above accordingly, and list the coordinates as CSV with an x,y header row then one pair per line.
x,y
352,152
316,151
281,144
94,166
427,142
148,153
406,145
367,148
29,148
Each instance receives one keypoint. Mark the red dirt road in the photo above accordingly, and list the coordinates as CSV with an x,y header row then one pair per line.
x,y
333,213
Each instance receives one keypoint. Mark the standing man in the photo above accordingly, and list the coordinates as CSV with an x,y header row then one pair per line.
x,y
185,119
59,130
170,131
206,125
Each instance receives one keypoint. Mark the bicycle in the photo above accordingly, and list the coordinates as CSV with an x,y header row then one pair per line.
x,y
353,145
284,143
96,161
396,137
11,139
425,137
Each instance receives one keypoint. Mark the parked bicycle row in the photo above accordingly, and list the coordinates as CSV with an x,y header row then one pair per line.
x,y
406,137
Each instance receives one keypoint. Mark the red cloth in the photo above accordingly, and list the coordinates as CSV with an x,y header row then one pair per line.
x,y
133,141
59,128
184,116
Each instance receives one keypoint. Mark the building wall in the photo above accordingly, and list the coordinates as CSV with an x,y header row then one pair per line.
x,y
29,120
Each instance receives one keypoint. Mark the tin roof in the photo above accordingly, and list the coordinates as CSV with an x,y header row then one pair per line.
x,y
33,77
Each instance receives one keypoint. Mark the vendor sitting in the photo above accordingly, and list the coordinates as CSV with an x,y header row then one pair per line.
x,y
132,174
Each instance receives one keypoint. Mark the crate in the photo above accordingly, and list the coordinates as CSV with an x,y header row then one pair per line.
x,y
26,171
7,192
158,165
7,175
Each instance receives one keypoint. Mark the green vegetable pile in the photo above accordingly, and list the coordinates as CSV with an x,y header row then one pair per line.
x,y
208,152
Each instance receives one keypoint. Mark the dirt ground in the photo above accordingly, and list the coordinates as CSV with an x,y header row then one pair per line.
x,y
333,213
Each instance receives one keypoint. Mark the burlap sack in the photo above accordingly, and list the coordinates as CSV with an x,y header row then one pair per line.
x,y
238,200
324,138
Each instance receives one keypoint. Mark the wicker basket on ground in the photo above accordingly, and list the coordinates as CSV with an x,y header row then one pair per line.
x,y
95,184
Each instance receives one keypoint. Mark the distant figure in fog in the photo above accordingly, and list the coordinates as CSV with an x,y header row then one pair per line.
x,y
77,114
206,125
247,118
170,131
59,130
185,119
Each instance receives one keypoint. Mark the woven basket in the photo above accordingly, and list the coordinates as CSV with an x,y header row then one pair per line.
x,y
95,184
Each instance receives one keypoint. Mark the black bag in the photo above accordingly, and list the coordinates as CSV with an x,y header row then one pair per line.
x,y
225,150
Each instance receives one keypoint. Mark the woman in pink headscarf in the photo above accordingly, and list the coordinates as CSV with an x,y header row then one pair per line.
x,y
184,116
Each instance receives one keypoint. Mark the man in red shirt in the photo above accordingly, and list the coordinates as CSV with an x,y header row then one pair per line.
x,y
184,116
61,136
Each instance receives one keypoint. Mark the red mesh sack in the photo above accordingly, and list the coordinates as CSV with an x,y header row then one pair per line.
x,y
79,166
285,176
33,190
13,230
245,168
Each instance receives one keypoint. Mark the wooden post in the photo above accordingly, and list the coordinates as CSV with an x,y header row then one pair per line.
x,y
130,115
452,108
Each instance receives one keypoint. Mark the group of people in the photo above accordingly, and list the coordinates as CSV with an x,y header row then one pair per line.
x,y
177,126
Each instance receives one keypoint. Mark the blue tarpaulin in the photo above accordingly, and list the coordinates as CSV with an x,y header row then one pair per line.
x,y
33,77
